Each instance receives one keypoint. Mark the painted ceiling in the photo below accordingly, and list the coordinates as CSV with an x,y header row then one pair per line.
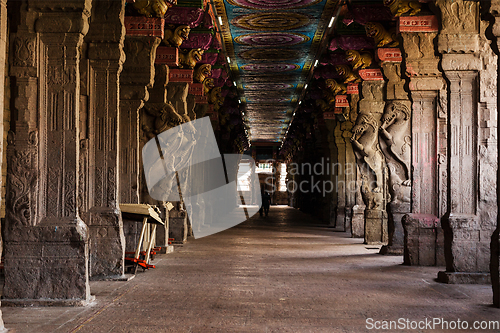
x,y
272,46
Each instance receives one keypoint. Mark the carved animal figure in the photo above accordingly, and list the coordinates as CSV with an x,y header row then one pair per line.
x,y
323,106
333,88
177,36
202,72
372,200
395,130
365,143
399,192
190,58
151,8
399,7
347,74
165,117
358,60
381,36
208,84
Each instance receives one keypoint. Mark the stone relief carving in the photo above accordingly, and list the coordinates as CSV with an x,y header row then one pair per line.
x,y
190,58
175,36
22,183
400,8
365,143
208,84
24,51
165,117
459,16
381,36
332,89
395,130
358,60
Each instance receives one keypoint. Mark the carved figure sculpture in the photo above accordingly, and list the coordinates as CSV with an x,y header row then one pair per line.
x,y
358,60
395,130
323,106
190,58
333,88
347,74
365,143
399,7
151,8
165,117
175,37
202,72
381,36
208,85
372,200
216,98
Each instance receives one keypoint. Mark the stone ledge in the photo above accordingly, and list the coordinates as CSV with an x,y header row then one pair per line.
x,y
464,278
392,250
47,302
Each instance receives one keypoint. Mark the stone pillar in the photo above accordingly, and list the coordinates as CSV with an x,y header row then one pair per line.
x,y
135,79
395,141
429,149
99,204
46,242
495,239
3,62
470,66
371,161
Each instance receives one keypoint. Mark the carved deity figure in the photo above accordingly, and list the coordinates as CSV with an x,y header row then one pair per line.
x,y
347,74
202,72
358,60
190,58
150,8
365,143
175,37
399,7
381,36
395,131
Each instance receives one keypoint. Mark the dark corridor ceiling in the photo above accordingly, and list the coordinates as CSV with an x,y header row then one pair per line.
x,y
272,46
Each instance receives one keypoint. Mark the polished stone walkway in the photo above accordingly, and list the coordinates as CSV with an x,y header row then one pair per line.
x,y
283,273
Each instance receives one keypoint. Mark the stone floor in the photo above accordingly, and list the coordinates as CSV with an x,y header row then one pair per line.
x,y
282,273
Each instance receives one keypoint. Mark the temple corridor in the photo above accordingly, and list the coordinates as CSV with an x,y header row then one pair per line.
x,y
283,273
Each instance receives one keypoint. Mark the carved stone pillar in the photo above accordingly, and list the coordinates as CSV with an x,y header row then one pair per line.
x,y
470,66
3,53
46,242
137,75
371,161
495,238
395,141
331,125
100,207
429,147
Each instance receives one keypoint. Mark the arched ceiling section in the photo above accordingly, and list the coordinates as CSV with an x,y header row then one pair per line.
x,y
271,47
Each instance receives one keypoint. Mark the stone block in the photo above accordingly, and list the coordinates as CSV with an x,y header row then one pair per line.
x,y
52,267
376,227
423,240
358,221
178,229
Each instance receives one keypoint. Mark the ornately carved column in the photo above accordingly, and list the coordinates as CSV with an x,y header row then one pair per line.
x,y
105,59
137,75
495,238
46,249
339,177
395,141
3,53
423,242
471,68
371,161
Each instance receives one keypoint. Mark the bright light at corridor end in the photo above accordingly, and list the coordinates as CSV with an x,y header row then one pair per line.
x,y
220,20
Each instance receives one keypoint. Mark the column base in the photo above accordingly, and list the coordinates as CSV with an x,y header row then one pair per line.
x,y
464,278
423,240
392,250
358,221
46,302
178,229
376,227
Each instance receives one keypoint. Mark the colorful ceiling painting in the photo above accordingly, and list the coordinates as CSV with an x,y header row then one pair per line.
x,y
272,46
